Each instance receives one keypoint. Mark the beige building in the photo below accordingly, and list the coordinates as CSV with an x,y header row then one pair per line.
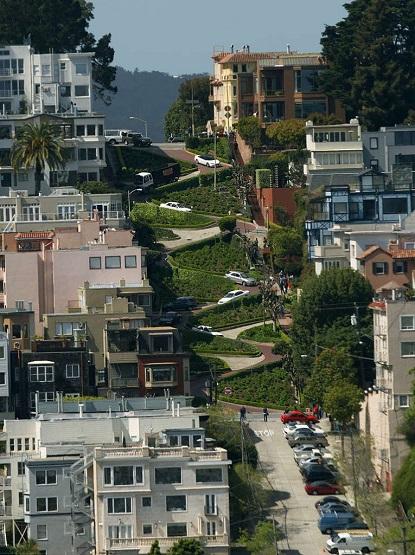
x,y
271,85
387,401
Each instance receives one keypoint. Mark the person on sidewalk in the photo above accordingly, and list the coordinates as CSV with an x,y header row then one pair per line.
x,y
266,414
242,414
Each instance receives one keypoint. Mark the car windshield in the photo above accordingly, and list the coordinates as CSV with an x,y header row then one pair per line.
x,y
206,157
335,537
228,295
243,275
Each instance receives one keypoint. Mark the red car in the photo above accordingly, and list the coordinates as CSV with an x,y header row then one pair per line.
x,y
322,488
298,416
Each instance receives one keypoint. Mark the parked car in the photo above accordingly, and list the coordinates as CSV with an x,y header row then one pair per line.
x,y
175,206
332,499
330,522
232,296
290,430
169,318
357,541
298,438
207,160
303,450
303,463
321,487
310,467
321,473
143,179
337,508
241,278
117,136
297,416
206,329
182,303
137,139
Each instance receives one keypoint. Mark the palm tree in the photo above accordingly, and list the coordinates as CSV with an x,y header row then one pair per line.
x,y
38,145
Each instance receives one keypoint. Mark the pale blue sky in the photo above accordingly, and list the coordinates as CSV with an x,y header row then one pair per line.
x,y
178,36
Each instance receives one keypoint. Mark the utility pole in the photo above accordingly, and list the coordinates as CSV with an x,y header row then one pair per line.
x,y
405,541
353,468
193,102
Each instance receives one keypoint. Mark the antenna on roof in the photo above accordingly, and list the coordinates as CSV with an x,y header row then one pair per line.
x,y
288,49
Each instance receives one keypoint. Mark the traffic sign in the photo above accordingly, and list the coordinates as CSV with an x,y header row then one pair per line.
x,y
227,115
228,108
227,391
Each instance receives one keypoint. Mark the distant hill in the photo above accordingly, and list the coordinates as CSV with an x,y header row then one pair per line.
x,y
145,94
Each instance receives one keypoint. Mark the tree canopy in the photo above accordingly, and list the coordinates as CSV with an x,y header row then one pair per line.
x,y
250,130
289,133
186,546
287,249
343,400
370,55
61,26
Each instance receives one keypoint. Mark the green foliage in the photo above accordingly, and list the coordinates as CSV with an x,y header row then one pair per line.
x,y
244,311
206,145
202,286
343,400
288,133
268,387
370,54
207,365
59,26
287,249
207,200
186,546
262,541
386,543
152,214
134,160
204,343
282,347
164,234
250,130
264,334
263,178
98,187
408,425
227,223
221,176
404,484
29,547
155,548
213,255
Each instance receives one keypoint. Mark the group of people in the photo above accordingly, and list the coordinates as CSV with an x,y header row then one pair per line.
x,y
242,414
285,281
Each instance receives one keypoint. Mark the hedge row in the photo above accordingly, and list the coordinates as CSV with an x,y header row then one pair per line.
x,y
152,214
247,310
204,343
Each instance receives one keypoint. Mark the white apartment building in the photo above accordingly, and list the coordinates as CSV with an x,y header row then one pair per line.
x,y
386,402
58,88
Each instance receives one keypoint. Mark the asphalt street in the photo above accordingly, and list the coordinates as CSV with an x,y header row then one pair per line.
x,y
294,509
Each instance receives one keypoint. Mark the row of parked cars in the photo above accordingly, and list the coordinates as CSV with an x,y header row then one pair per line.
x,y
321,477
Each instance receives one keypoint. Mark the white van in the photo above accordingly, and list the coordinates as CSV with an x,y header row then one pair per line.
x,y
114,136
143,180
359,541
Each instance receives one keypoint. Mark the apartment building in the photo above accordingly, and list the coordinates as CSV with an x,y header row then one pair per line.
x,y
391,150
271,85
386,402
6,399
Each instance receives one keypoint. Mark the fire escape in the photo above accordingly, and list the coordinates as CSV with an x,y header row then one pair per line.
x,y
82,507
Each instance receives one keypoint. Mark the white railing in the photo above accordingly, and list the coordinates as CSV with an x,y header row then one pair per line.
x,y
137,452
125,543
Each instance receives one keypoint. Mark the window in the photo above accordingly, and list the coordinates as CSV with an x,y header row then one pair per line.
x,y
208,475
168,475
80,130
243,68
72,371
46,504
82,154
2,378
407,348
92,153
408,322
174,530
175,503
44,397
185,440
45,69
41,373
65,91
20,468
94,262
112,262
340,207
380,268
400,266
147,529
161,343
19,443
235,68
81,69
154,375
66,211
79,530
403,401
211,528
46,477
306,80
81,90
123,475
210,504
395,205
146,501
403,138
41,532
62,66
66,328
130,261
118,505
373,143
120,531
409,246
304,109
90,130
27,504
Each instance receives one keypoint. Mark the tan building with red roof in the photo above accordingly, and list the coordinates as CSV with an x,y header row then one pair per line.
x,y
272,85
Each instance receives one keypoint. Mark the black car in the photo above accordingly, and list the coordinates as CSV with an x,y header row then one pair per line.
x,y
331,499
182,303
317,474
169,318
138,140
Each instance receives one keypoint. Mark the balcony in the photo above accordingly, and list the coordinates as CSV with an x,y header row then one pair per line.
x,y
216,454
124,357
329,251
165,543
124,382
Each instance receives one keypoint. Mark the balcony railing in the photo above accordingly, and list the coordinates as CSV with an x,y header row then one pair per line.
x,y
132,543
124,382
217,454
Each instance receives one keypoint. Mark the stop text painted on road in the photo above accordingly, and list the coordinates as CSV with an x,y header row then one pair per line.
x,y
264,433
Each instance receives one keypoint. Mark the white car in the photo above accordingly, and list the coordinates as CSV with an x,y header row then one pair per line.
x,y
291,430
206,329
232,296
207,160
175,206
241,278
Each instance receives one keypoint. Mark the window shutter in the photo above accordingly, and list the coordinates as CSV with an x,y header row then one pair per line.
x,y
405,266
394,267
374,268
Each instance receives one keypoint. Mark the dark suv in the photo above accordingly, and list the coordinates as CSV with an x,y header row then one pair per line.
x,y
182,303
137,139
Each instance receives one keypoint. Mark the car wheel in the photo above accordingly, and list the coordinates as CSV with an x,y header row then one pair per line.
x,y
365,550
112,142
125,142
336,492
335,551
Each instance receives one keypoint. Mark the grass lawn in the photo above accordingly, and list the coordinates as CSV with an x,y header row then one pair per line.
x,y
246,310
214,255
203,343
206,365
147,160
164,234
153,215
269,387
263,334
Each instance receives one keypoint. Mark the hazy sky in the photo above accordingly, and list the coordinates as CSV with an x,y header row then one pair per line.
x,y
178,36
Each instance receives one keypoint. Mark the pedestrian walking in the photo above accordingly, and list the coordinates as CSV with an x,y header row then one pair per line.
x,y
266,413
242,414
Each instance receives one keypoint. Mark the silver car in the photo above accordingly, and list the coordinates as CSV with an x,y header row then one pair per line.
x,y
241,278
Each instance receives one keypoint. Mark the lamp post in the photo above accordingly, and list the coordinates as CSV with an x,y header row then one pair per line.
x,y
142,120
129,193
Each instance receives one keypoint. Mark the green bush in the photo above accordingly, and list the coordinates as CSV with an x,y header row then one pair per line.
x,y
404,484
227,223
164,234
207,365
202,286
281,346
152,214
213,255
250,130
175,187
139,160
263,334
263,179
244,311
204,343
221,176
267,387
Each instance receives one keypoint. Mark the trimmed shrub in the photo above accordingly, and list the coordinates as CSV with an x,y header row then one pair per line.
x,y
152,214
244,311
227,223
222,175
202,286
263,179
264,334
204,343
207,365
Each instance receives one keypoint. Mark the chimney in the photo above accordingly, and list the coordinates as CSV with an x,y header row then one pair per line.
x,y
172,407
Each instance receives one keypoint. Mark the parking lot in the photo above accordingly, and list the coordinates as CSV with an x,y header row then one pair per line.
x,y
294,509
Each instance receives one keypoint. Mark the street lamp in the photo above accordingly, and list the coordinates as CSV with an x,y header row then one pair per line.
x,y
129,193
142,120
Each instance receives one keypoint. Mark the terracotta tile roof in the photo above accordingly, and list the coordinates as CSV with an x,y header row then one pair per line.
x,y
369,251
380,305
391,285
35,235
403,253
